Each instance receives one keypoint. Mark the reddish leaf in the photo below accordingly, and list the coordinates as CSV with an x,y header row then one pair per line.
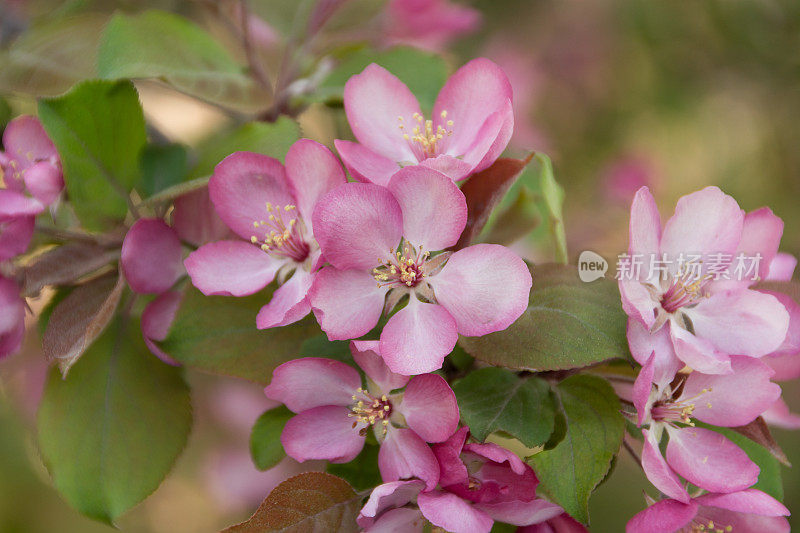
x,y
310,502
65,264
758,432
789,288
484,191
80,318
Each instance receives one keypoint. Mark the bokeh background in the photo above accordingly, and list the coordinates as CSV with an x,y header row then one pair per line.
x,y
620,93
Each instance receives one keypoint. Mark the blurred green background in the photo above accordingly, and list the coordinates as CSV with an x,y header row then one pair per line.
x,y
620,93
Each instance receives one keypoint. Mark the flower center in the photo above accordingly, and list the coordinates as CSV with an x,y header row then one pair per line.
x,y
402,269
671,411
282,238
683,292
707,525
370,410
425,140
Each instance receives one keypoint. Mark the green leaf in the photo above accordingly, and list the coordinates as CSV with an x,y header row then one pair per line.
x,y
5,112
362,472
492,399
112,430
273,139
50,58
553,196
98,128
518,220
594,428
162,166
568,324
157,44
423,72
265,439
218,334
320,346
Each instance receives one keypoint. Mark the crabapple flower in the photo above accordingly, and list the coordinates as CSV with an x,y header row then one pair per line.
x,y
748,511
334,412
471,124
15,235
702,456
562,523
381,243
687,315
12,317
30,164
429,24
270,207
151,256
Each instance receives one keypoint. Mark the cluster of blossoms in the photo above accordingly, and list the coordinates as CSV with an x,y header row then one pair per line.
x,y
709,347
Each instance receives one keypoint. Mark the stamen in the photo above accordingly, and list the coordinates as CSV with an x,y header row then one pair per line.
x,y
284,239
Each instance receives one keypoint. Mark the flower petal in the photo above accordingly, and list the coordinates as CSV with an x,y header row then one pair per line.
x,y
364,164
196,221
520,513
404,455
709,460
719,399
15,204
310,382
44,181
782,267
642,390
453,514
644,233
499,128
157,318
429,407
643,344
324,432
289,303
750,501
418,338
15,236
637,302
485,287
666,516
761,234
12,317
452,470
434,208
312,171
346,303
373,101
659,472
402,520
496,453
233,268
366,354
387,496
151,256
358,225
778,415
26,141
242,185
452,167
698,353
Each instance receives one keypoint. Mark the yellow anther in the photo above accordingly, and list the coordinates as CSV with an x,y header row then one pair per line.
x,y
449,122
255,224
265,247
289,207
253,239
269,206
443,114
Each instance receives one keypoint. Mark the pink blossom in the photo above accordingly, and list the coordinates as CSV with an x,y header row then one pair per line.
x,y
747,511
704,457
12,317
562,523
151,256
15,235
471,124
381,245
269,206
334,412
30,164
626,175
699,320
429,24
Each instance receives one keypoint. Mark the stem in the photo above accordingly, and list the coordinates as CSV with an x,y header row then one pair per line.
x,y
632,451
252,59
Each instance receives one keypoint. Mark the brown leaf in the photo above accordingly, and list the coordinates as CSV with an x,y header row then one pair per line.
x,y
313,502
789,288
80,318
484,191
65,264
758,432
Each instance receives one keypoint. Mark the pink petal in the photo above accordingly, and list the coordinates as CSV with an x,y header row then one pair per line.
x,y
404,455
312,171
741,322
364,164
637,302
782,267
196,221
373,101
402,520
12,317
346,303
310,382
15,236
778,415
519,513
157,318
434,209
643,344
151,256
658,471
474,92
666,516
418,338
15,204
26,141
387,496
452,167
784,360
289,303
242,186
498,454
749,523
750,501
485,287
324,432
563,523
706,221
642,388
698,353
44,181
429,407
358,225
453,514
367,355
644,233
761,234
233,268
709,460
718,400
451,468
499,128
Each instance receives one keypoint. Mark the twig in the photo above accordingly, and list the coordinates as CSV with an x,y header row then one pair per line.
x,y
631,450
252,59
